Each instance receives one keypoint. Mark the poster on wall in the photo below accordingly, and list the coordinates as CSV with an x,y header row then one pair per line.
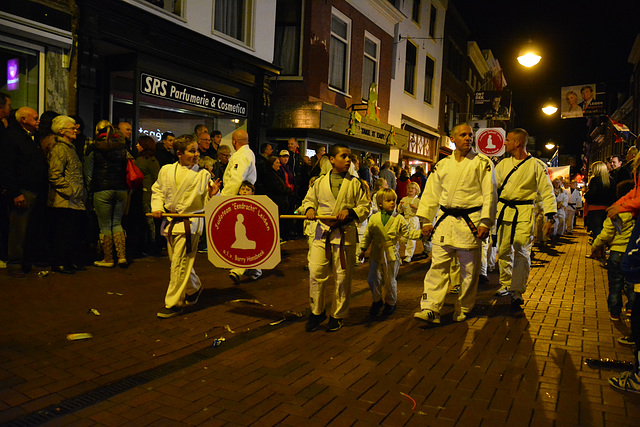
x,y
581,100
492,105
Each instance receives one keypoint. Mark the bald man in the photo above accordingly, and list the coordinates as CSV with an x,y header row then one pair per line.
x,y
126,131
242,164
24,174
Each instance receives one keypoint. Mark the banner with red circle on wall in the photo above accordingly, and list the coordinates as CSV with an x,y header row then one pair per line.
x,y
490,141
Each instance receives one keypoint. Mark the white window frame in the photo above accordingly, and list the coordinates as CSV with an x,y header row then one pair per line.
x,y
249,22
347,66
376,60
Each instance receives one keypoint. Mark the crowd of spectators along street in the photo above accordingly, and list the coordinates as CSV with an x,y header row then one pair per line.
x,y
66,202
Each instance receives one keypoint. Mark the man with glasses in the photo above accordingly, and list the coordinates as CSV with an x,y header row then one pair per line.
x,y
224,152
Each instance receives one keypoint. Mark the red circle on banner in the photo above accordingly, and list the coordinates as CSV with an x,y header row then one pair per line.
x,y
243,232
490,142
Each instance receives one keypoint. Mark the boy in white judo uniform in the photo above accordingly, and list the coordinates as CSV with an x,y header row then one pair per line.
x,y
184,188
463,187
333,250
575,203
383,234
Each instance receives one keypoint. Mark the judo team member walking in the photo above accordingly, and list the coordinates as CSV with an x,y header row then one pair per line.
x,y
520,177
383,233
184,188
575,203
463,187
408,206
339,194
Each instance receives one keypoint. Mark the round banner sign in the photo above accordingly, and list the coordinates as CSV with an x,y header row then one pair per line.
x,y
242,232
490,141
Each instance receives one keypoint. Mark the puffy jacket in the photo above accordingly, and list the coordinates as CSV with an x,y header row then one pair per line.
x,y
106,165
66,183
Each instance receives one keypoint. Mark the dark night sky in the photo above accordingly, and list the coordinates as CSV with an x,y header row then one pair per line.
x,y
580,41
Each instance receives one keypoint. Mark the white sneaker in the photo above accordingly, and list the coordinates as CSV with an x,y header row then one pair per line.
x,y
503,292
460,316
407,259
428,316
256,275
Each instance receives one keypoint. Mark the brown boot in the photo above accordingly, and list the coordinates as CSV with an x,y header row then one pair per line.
x,y
107,248
120,242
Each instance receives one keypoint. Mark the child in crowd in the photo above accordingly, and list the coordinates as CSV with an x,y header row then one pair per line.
x,y
383,233
246,189
378,185
408,207
184,188
616,237
333,251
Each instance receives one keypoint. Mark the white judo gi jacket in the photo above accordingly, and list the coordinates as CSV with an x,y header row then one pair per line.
x,y
190,197
241,167
460,185
385,238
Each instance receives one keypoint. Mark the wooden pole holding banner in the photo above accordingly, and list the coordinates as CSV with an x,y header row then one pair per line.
x,y
201,215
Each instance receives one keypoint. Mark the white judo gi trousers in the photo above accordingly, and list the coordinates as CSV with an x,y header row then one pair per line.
x,y
437,279
515,260
183,278
413,223
320,270
382,280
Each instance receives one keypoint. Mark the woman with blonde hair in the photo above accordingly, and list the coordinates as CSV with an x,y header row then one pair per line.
x,y
106,177
599,196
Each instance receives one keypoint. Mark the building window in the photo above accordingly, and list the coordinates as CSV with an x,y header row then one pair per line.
x,y
432,21
339,53
232,18
171,6
451,114
370,66
288,33
410,68
428,80
415,11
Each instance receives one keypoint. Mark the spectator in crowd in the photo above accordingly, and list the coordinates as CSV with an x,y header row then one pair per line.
x,y
5,109
618,173
375,174
24,176
44,135
220,165
82,141
105,172
200,128
402,184
419,177
320,152
149,166
278,191
262,165
365,171
388,175
204,145
284,171
599,197
631,154
216,140
66,196
165,154
126,131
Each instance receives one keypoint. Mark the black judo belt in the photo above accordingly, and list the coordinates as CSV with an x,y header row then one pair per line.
x,y
458,213
573,205
514,205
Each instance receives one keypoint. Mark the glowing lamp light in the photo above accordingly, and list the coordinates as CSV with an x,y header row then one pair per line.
x,y
549,109
549,145
529,59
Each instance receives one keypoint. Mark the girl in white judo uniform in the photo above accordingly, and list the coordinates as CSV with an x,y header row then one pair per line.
x,y
408,207
383,234
333,250
184,188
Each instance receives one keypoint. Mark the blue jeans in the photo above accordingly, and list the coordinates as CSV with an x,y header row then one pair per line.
x,y
617,284
109,206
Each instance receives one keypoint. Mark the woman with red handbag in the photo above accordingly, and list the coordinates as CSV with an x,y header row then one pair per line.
x,y
106,177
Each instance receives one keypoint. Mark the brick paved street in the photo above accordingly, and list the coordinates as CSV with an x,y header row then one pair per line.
x,y
498,368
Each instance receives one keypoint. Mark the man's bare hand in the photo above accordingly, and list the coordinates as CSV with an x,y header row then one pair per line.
x,y
311,214
613,211
342,215
157,214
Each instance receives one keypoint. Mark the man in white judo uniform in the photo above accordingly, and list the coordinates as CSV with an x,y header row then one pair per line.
x,y
340,194
463,187
520,177
575,203
241,166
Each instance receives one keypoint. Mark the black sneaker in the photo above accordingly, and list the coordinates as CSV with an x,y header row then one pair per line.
x,y
483,280
166,313
388,310
334,324
375,308
517,302
193,298
314,321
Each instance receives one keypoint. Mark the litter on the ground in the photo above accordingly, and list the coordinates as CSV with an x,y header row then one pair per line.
x,y
114,293
43,273
79,336
228,328
94,312
217,342
249,301
607,363
411,399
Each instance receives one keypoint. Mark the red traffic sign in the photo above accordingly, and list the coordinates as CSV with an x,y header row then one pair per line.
x,y
242,232
490,141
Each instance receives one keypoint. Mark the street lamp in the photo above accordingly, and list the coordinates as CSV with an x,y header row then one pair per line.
x,y
549,145
529,56
549,109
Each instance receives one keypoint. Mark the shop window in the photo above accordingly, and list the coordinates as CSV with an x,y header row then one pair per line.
x,y
339,53
19,78
428,80
288,33
370,66
233,18
410,68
